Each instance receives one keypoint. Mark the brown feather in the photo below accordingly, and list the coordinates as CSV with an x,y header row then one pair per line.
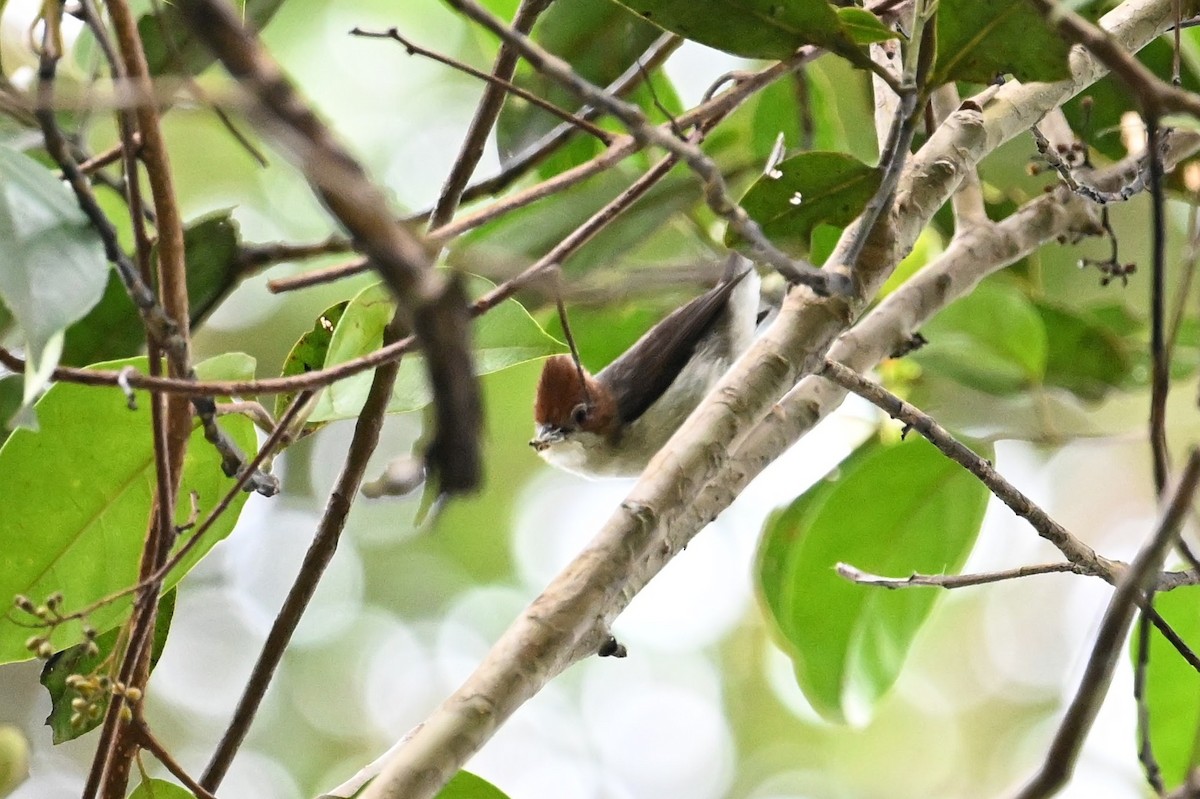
x,y
559,392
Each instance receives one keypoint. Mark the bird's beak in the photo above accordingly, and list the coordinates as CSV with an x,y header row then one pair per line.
x,y
545,436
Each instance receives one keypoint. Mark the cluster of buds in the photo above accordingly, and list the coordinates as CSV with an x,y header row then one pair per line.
x,y
49,617
47,613
93,692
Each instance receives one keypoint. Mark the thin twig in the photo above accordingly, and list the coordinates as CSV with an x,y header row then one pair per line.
x,y
716,192
494,81
1080,185
1160,380
712,109
197,91
164,756
1145,745
253,257
951,581
1063,751
488,111
333,521
1156,96
1074,550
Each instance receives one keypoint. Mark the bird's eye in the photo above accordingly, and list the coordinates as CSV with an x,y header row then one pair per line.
x,y
579,414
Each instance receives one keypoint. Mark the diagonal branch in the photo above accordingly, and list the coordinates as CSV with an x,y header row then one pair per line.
x,y
485,117
428,301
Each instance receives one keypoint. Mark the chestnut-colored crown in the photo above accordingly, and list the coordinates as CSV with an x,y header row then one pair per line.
x,y
560,392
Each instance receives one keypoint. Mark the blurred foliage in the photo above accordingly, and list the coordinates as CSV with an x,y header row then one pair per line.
x,y
1041,353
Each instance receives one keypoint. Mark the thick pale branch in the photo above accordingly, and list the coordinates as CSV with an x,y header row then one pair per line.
x,y
693,478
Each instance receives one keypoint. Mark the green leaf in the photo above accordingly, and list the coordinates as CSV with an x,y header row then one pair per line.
x,y
114,329
52,264
14,757
76,660
505,336
888,510
1173,688
805,191
1084,357
993,340
465,785
863,26
77,495
757,28
979,40
160,789
598,38
310,352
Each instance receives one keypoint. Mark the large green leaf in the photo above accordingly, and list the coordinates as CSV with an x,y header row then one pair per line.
x,y
764,28
890,510
505,336
979,40
1173,688
80,660
77,496
993,340
113,328
807,190
52,264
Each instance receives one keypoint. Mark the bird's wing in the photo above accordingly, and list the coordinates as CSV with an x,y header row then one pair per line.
x,y
672,344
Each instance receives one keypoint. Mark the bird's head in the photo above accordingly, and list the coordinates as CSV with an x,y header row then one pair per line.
x,y
567,406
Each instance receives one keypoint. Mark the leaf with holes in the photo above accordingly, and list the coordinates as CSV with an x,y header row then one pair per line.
x,y
805,191
97,457
890,510
309,353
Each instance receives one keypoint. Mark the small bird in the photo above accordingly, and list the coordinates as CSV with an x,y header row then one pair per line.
x,y
612,424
